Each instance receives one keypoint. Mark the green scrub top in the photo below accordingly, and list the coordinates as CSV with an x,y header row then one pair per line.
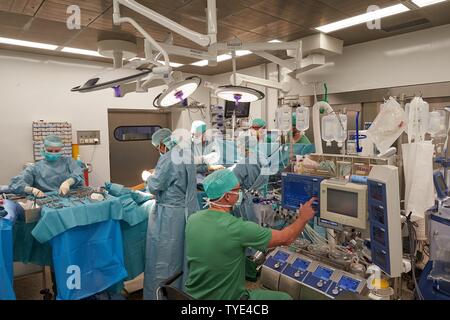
x,y
304,140
216,243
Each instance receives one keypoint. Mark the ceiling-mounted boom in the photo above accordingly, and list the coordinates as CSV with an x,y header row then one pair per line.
x,y
200,39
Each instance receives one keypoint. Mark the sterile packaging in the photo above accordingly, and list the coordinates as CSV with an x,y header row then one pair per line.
x,y
388,125
418,171
418,115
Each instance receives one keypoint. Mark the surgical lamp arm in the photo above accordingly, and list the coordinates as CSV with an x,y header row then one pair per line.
x,y
154,80
118,20
200,39
240,78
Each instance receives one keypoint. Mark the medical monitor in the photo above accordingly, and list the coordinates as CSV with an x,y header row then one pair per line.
x,y
242,109
344,204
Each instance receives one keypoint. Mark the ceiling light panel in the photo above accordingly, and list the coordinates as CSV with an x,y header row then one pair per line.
x,y
28,44
363,18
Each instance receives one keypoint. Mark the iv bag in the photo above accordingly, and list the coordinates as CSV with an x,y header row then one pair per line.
x,y
341,130
302,118
284,118
418,115
388,125
436,124
329,124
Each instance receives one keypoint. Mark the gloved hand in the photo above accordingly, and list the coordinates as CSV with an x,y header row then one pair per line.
x,y
215,167
146,174
65,186
36,192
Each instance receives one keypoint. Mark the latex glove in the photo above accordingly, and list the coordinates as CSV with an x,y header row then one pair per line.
x,y
36,192
146,174
211,159
65,186
215,167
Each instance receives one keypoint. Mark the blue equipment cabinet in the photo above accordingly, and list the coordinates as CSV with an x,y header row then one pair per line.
x,y
298,189
378,221
385,219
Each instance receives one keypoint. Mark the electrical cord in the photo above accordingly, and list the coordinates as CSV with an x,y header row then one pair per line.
x,y
412,251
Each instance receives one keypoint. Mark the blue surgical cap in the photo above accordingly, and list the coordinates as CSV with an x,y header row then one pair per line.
x,y
162,136
53,141
219,182
198,126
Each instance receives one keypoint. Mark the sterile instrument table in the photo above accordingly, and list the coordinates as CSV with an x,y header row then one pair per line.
x,y
32,241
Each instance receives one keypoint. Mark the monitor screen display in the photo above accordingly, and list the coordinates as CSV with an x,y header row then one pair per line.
x,y
242,109
342,202
348,284
281,256
376,191
301,264
323,273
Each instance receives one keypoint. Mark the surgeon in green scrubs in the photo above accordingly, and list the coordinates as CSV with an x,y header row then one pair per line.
x,y
216,242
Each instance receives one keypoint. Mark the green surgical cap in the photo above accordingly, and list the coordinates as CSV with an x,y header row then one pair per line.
x,y
198,126
53,141
162,136
258,123
219,183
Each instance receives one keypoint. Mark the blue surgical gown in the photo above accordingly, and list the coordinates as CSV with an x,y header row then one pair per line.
x,y
48,176
174,187
250,179
205,149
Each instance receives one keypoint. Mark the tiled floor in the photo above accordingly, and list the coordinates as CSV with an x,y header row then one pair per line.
x,y
29,287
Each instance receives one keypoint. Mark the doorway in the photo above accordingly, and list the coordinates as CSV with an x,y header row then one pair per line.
x,y
130,148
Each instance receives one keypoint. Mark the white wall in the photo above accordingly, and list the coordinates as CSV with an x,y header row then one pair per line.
x,y
35,87
410,59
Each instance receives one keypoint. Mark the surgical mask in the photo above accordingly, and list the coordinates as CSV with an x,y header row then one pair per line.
x,y
197,140
51,156
237,204
241,197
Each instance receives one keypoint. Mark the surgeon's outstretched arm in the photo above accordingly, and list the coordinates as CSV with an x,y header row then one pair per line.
x,y
289,234
23,180
161,177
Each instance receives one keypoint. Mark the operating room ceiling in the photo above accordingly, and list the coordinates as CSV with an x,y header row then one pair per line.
x,y
249,20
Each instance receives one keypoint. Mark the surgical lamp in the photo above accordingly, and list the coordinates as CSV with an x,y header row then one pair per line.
x,y
112,79
177,92
239,94
236,93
